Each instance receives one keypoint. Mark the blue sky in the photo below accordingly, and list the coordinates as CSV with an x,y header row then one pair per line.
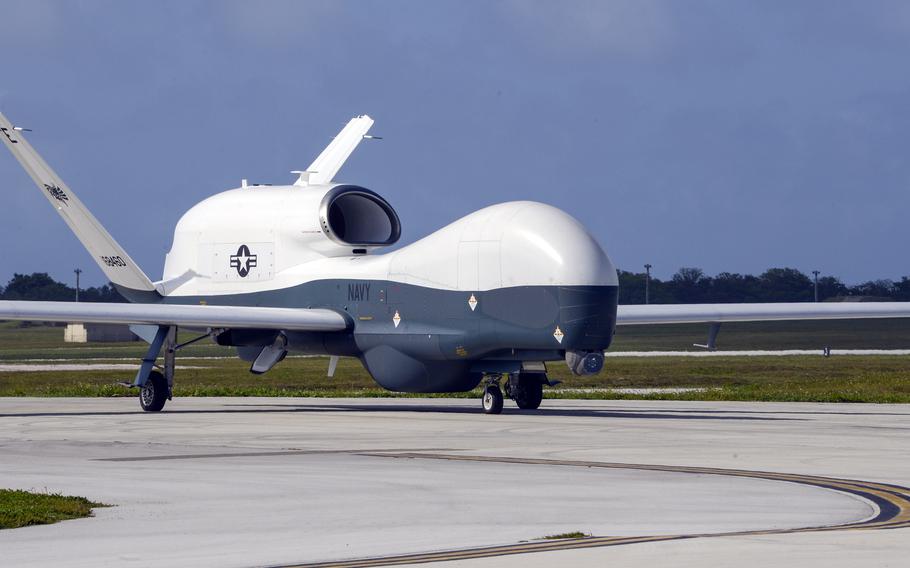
x,y
726,135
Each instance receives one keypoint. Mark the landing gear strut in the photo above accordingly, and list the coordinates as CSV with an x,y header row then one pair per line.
x,y
526,389
492,395
155,387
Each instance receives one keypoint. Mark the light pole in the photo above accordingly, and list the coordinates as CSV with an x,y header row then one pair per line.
x,y
78,271
816,273
647,283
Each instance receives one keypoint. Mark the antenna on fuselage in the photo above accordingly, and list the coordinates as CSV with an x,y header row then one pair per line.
x,y
304,177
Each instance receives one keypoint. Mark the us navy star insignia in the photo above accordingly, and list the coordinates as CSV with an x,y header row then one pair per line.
x,y
243,261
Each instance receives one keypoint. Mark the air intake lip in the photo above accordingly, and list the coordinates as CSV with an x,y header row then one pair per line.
x,y
352,215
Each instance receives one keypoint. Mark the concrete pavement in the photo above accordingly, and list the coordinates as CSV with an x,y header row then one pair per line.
x,y
253,482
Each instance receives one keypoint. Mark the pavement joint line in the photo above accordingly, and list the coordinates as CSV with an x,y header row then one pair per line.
x,y
254,454
892,501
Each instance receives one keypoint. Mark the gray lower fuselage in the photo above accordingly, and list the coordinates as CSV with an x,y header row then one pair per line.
x,y
421,339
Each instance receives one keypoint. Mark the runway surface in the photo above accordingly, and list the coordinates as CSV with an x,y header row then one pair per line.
x,y
291,482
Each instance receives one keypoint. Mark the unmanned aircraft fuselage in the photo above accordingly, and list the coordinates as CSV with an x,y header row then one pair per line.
x,y
513,283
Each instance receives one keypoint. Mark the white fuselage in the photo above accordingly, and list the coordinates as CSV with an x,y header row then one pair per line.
x,y
521,243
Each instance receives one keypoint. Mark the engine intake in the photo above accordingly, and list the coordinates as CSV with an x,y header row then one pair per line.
x,y
355,216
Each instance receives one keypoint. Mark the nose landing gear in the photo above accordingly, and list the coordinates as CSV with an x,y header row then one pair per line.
x,y
525,388
492,396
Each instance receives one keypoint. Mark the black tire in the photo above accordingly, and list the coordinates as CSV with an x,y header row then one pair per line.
x,y
154,393
492,400
528,394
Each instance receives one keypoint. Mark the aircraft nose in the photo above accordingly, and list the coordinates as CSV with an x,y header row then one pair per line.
x,y
543,245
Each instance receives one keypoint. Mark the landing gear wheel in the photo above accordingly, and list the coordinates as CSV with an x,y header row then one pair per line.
x,y
528,393
154,393
492,400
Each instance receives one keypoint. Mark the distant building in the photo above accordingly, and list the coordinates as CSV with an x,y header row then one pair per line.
x,y
75,333
98,332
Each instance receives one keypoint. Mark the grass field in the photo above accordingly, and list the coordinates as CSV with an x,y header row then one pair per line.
x,y
24,508
210,370
837,334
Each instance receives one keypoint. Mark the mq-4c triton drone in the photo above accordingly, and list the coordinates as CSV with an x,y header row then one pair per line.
x,y
274,269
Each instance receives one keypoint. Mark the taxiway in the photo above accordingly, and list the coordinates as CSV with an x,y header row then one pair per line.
x,y
261,482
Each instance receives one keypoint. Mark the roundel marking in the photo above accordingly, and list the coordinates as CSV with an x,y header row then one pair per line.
x,y
243,261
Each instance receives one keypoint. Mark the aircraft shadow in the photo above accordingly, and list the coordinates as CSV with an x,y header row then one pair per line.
x,y
542,413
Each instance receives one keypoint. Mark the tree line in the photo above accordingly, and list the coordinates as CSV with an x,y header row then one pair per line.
x,y
687,286
40,286
693,286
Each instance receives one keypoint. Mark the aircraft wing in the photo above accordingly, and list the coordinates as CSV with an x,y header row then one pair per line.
x,y
237,317
717,313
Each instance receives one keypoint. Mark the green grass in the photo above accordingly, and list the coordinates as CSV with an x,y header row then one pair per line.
x,y
805,378
18,342
24,508
838,334
845,378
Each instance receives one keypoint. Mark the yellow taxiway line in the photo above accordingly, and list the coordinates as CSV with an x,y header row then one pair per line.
x,y
893,502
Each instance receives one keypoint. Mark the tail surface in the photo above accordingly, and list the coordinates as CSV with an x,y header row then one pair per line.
x,y
327,164
110,256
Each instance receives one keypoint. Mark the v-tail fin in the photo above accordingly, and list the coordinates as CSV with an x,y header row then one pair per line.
x,y
327,164
110,256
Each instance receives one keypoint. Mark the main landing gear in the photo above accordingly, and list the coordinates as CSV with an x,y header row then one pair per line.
x,y
526,389
154,393
156,386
